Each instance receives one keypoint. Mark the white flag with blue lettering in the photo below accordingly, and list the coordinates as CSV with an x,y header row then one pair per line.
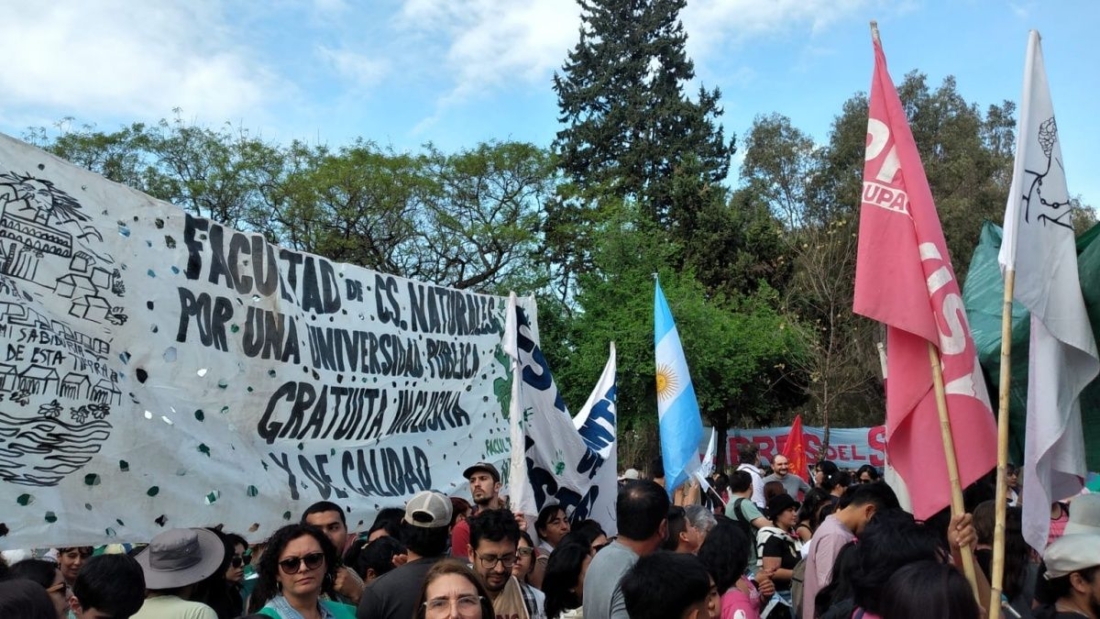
x,y
561,466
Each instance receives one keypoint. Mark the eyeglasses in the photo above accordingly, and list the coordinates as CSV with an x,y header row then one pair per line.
x,y
467,604
490,561
239,560
526,551
291,565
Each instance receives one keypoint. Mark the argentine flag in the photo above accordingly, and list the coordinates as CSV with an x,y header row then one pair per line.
x,y
681,426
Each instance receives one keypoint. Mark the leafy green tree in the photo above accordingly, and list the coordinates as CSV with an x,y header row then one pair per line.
x,y
469,219
815,190
628,126
967,156
738,349
488,213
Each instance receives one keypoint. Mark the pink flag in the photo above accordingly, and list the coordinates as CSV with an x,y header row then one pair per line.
x,y
904,278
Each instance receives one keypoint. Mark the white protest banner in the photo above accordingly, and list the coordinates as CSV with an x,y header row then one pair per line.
x,y
848,447
160,370
563,467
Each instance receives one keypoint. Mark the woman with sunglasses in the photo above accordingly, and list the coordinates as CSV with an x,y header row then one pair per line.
x,y
451,590
239,556
298,565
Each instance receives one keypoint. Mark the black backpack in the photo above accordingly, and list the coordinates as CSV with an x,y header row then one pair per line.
x,y
743,522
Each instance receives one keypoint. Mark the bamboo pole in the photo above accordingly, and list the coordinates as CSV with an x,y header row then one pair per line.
x,y
957,506
997,569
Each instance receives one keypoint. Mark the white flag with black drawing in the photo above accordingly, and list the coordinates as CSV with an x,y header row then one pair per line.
x,y
1039,246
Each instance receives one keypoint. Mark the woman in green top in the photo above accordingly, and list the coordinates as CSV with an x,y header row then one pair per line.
x,y
298,566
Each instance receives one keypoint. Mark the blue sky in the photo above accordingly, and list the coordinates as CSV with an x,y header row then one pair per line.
x,y
457,72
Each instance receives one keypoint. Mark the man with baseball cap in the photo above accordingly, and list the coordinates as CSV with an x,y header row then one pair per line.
x,y
484,481
424,532
1072,587
173,563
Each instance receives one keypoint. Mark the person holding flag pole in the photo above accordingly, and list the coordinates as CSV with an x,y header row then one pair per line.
x,y
904,279
1038,259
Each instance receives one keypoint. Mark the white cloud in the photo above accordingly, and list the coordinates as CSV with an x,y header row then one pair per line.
x,y
486,43
491,42
715,24
127,59
358,69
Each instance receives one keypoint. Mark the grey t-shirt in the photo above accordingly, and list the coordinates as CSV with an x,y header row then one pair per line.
x,y
393,595
603,597
793,484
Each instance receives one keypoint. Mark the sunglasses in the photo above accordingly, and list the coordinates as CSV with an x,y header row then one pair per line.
x,y
312,561
239,560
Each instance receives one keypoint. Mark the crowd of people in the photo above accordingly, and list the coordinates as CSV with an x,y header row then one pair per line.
x,y
750,543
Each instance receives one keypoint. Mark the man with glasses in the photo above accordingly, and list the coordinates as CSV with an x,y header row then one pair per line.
x,y
328,517
494,539
793,484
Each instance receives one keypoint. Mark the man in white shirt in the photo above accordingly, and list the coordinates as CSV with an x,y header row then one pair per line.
x,y
748,454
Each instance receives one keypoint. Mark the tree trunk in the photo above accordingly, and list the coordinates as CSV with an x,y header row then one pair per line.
x,y
723,443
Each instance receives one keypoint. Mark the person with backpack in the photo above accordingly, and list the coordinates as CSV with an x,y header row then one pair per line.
x,y
743,512
780,551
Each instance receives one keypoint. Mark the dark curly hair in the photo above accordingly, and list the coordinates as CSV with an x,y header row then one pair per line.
x,y
267,587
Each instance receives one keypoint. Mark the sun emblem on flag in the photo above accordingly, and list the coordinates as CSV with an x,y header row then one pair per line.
x,y
667,381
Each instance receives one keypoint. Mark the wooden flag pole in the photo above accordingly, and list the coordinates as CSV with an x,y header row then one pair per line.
x,y
957,506
997,570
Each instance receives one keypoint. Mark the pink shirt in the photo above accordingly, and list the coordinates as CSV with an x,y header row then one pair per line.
x,y
737,604
825,545
1057,526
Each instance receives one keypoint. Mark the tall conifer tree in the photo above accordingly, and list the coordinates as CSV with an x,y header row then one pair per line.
x,y
629,128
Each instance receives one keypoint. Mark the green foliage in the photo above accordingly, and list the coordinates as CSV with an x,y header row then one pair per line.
x,y
738,348
815,191
469,219
628,126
